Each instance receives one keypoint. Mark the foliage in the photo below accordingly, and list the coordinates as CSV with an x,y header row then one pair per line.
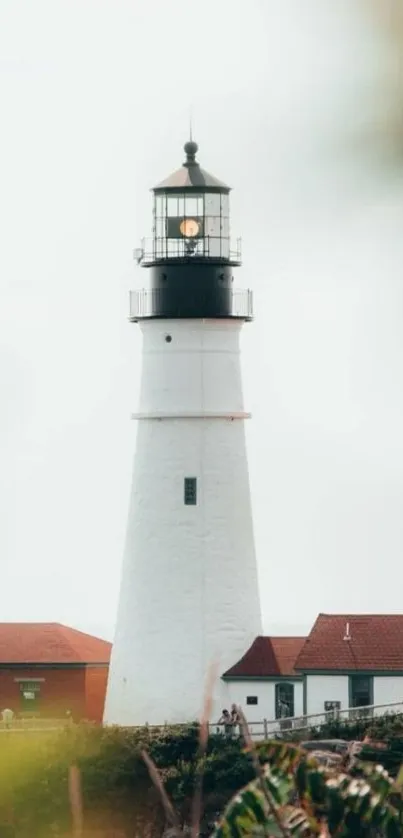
x,y
294,796
390,756
116,787
385,731
118,794
380,728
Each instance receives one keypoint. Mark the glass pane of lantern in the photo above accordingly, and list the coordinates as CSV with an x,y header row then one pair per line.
x,y
224,248
172,206
214,247
200,207
160,227
181,205
212,204
159,248
212,226
190,206
159,205
225,205
225,226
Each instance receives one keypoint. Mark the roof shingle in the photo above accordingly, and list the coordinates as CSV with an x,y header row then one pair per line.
x,y
268,656
191,176
376,643
50,643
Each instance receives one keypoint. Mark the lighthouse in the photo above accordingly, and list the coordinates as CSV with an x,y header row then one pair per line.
x,y
189,597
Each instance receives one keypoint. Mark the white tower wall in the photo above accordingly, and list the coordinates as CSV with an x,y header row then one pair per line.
x,y
189,595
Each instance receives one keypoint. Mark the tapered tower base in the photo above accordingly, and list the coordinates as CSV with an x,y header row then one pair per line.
x,y
189,596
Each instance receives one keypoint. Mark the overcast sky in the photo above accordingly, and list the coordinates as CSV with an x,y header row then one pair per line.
x,y
291,107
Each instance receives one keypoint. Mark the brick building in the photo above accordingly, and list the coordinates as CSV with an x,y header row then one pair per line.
x,y
47,669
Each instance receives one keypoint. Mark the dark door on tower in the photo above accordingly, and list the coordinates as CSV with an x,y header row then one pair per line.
x,y
361,690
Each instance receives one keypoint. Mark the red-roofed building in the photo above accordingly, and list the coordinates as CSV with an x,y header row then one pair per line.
x,y
347,661
369,642
264,681
352,660
47,669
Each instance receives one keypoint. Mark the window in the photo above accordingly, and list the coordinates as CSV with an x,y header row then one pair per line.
x,y
172,206
30,696
190,491
214,246
332,709
251,699
225,206
284,700
191,206
212,203
159,206
160,228
225,227
361,690
212,226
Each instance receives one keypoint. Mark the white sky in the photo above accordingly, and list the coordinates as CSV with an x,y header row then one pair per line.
x,y
94,104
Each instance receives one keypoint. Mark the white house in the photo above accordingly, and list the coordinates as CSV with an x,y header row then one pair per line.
x,y
352,660
347,661
264,682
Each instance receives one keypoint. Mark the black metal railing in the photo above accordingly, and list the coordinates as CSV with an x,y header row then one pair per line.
x,y
207,247
155,302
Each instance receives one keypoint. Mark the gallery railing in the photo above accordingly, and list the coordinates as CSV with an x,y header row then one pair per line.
x,y
216,248
147,302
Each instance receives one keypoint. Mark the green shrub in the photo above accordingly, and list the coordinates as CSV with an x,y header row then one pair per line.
x,y
294,796
116,787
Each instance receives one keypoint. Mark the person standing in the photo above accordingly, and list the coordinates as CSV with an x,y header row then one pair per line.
x,y
225,719
7,716
235,717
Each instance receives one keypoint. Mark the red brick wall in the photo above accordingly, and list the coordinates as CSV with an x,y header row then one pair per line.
x,y
95,690
62,690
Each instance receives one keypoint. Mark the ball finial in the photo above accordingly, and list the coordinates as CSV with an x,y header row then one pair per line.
x,y
190,149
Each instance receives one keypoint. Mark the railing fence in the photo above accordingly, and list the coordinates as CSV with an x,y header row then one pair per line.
x,y
259,730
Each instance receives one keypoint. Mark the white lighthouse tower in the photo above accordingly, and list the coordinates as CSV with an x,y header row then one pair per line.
x,y
189,593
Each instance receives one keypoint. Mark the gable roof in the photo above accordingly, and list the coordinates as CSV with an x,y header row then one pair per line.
x,y
50,643
268,656
376,643
286,650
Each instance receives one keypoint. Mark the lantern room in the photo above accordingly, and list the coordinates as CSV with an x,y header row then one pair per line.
x,y
190,253
191,213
